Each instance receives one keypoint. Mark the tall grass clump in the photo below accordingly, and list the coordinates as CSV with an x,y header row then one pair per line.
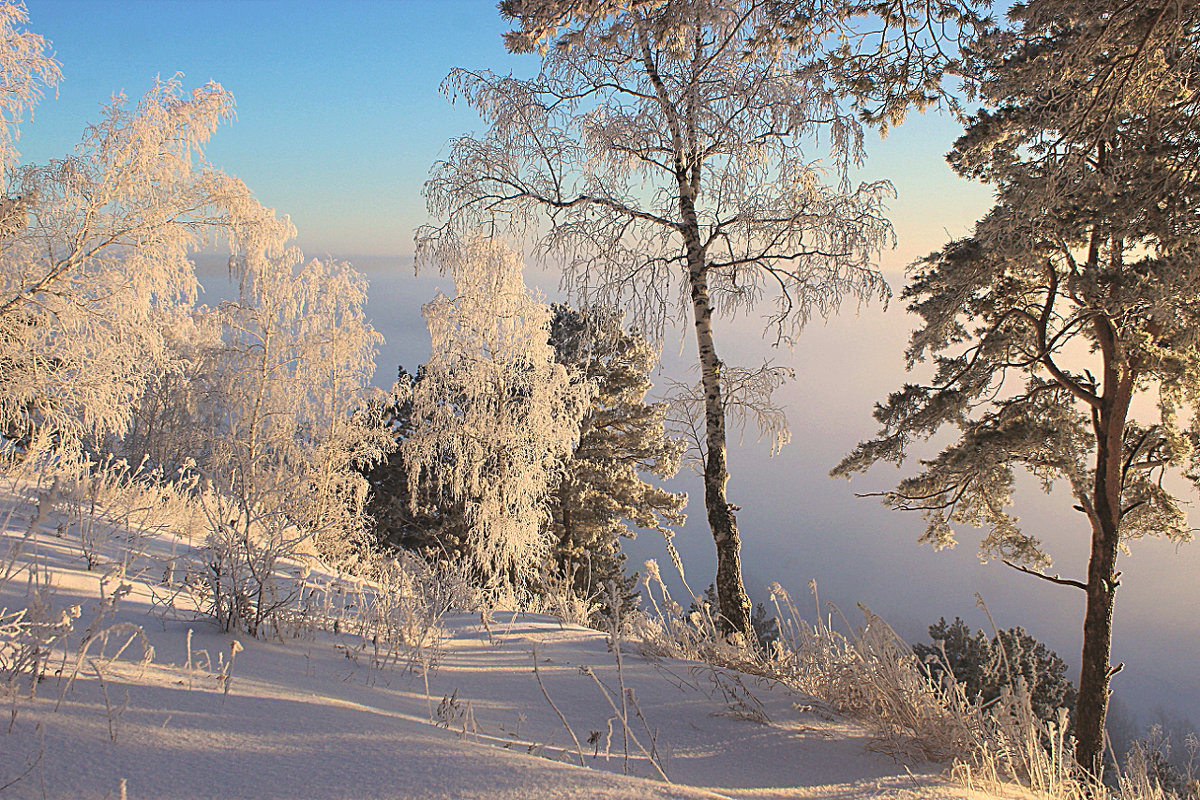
x,y
667,629
869,673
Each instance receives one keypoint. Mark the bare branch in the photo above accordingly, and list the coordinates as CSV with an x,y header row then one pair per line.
x,y
1051,578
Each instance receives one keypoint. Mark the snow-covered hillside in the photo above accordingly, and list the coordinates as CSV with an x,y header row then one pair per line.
x,y
214,715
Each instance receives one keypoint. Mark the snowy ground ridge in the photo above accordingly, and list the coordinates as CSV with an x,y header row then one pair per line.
x,y
188,711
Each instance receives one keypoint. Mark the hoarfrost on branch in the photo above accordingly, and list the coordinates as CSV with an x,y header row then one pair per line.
x,y
495,416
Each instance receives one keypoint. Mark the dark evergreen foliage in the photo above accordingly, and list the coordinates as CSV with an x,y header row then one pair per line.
x,y
602,492
433,525
984,667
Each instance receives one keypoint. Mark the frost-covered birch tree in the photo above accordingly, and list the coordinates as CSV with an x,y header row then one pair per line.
x,y
289,383
1064,334
494,415
270,402
26,68
171,425
667,160
267,401
885,56
96,253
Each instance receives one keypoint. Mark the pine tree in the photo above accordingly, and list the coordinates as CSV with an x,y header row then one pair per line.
x,y
621,437
1077,295
984,667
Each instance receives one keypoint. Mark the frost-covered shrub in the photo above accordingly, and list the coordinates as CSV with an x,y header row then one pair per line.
x,y
241,559
106,501
29,635
868,673
395,613
37,630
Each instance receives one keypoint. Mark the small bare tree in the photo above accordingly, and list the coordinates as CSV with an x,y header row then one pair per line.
x,y
663,157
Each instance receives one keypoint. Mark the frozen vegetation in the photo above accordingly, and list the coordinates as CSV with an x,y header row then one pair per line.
x,y
118,682
405,681
195,601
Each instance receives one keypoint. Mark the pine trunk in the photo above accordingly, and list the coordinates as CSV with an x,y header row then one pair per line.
x,y
1091,705
1109,420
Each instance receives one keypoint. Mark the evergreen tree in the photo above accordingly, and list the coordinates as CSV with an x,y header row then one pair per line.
x,y
1065,332
621,436
431,524
983,666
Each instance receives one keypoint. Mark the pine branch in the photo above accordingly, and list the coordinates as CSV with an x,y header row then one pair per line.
x,y
1045,577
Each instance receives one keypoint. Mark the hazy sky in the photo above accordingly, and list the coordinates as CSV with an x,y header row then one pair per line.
x,y
340,118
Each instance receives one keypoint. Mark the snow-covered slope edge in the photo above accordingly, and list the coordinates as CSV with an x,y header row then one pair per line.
x,y
320,717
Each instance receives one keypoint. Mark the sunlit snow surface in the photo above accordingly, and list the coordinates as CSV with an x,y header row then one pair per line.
x,y
312,718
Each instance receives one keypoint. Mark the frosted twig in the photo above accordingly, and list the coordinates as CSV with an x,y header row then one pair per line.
x,y
614,629
537,674
624,722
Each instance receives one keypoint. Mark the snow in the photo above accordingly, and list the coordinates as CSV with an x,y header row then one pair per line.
x,y
314,717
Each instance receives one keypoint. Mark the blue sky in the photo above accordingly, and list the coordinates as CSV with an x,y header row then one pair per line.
x,y
340,118
339,110
339,114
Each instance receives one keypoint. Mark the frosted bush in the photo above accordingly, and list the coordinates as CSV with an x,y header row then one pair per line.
x,y
28,636
872,675
395,616
241,560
